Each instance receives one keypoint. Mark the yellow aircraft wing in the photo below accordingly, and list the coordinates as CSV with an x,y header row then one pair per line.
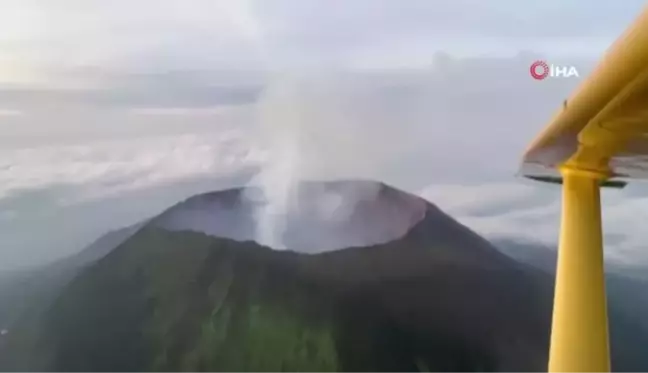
x,y
603,126
599,135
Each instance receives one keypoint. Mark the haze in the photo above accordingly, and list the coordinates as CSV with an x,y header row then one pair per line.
x,y
112,111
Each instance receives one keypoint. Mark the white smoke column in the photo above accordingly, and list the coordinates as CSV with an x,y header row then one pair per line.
x,y
279,120
315,128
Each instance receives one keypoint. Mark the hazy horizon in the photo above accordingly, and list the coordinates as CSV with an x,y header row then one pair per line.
x,y
112,112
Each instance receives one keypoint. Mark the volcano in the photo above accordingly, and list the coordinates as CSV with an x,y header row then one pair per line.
x,y
369,278
316,216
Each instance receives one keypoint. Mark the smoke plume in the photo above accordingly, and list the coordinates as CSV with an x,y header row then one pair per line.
x,y
317,129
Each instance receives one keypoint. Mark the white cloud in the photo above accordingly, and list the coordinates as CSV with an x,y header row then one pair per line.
x,y
122,98
183,111
120,36
56,198
496,210
467,121
461,199
404,128
10,112
532,212
123,35
114,165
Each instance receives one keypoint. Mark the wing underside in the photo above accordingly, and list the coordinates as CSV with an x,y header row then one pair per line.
x,y
603,126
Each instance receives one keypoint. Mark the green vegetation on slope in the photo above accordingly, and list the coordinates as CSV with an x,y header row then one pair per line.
x,y
183,301
269,340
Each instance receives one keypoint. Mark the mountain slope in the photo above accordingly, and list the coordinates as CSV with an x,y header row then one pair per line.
x,y
27,295
29,289
439,297
627,304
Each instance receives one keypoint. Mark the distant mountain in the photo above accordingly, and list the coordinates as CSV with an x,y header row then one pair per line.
x,y
177,295
627,295
30,291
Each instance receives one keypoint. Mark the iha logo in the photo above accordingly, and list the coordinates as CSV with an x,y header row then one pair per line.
x,y
540,70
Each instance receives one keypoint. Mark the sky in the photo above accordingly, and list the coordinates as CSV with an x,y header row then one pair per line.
x,y
112,111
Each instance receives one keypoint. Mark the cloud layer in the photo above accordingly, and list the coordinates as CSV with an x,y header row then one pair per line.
x,y
57,197
457,129
74,43
531,212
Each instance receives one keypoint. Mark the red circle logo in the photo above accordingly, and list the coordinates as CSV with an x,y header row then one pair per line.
x,y
539,65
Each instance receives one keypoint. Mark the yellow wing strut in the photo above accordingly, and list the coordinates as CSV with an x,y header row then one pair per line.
x,y
598,137
579,333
